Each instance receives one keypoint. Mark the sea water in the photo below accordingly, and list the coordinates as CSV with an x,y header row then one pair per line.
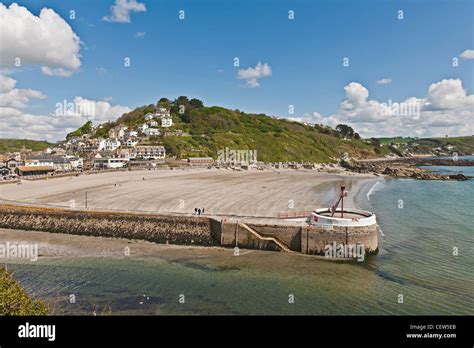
x,y
424,266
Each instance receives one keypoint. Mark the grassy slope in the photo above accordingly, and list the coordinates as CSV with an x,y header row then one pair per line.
x,y
214,128
14,300
12,145
464,145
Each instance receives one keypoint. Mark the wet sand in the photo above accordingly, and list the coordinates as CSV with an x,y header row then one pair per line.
x,y
220,192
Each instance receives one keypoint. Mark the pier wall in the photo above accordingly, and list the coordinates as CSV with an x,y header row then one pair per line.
x,y
188,230
153,228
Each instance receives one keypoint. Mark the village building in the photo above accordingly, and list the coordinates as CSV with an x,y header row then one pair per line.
x,y
59,163
4,171
12,163
58,151
118,132
111,144
152,131
200,161
150,116
142,127
110,162
152,123
149,152
26,171
162,112
131,142
76,162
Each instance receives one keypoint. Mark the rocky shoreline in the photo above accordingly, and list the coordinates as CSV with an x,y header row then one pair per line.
x,y
407,168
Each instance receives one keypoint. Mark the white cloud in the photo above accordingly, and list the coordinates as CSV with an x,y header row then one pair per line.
x,y
252,75
384,81
467,54
140,34
6,84
46,40
16,122
448,95
121,9
11,97
102,110
56,71
447,109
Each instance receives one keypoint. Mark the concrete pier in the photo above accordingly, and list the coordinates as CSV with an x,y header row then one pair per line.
x,y
190,230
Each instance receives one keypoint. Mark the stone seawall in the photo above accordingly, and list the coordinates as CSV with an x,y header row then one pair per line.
x,y
304,239
188,230
154,228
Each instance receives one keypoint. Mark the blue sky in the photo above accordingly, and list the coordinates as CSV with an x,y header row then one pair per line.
x,y
194,56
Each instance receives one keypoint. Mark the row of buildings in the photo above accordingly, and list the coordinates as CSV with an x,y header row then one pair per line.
x,y
43,163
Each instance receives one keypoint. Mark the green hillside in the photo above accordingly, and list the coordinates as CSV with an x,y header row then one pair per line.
x,y
86,128
207,130
12,145
460,145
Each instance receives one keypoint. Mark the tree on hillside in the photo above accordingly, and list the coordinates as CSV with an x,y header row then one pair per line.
x,y
347,131
163,103
196,103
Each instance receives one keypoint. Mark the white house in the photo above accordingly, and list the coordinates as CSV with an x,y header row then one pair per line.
x,y
76,162
152,123
56,162
150,116
162,112
152,131
111,162
166,122
132,133
142,127
111,144
149,152
100,144
131,142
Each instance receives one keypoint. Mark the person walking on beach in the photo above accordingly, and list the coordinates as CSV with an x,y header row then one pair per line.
x,y
195,211
203,210
199,211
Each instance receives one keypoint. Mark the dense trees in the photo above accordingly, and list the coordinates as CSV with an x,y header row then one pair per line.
x,y
163,103
347,131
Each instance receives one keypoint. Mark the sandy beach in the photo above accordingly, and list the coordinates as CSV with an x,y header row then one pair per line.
x,y
219,192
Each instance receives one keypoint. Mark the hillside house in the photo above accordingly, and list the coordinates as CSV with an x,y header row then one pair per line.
x,y
152,131
131,142
162,112
152,123
149,152
111,144
150,116
118,132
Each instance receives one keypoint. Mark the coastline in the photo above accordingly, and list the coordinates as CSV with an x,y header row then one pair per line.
x,y
221,228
